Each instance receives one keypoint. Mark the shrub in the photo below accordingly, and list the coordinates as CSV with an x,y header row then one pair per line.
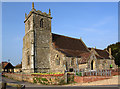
x,y
34,80
44,79
50,79
79,74
3,76
62,81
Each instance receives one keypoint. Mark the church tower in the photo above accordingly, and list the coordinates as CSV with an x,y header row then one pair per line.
x,y
37,41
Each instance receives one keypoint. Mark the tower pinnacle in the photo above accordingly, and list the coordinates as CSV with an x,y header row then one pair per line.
x,y
32,5
33,9
49,11
25,15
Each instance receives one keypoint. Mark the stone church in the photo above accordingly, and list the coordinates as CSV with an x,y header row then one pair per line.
x,y
44,51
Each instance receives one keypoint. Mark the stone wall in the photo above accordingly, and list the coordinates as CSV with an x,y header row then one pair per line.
x,y
66,63
72,63
42,79
54,80
105,64
95,64
57,56
42,43
28,47
83,66
20,77
36,42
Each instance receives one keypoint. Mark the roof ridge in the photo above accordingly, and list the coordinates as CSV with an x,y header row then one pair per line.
x,y
66,36
96,49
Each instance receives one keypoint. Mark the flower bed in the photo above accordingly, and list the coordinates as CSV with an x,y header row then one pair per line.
x,y
48,74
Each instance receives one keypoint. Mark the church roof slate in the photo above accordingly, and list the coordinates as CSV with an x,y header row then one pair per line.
x,y
64,42
71,47
102,53
18,66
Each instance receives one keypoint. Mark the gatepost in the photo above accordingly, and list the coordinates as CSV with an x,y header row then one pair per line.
x,y
65,74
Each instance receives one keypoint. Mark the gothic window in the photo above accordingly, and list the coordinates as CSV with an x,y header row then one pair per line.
x,y
72,61
28,24
57,60
41,23
28,58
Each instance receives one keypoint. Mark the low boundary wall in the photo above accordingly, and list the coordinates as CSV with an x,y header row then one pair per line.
x,y
86,79
57,79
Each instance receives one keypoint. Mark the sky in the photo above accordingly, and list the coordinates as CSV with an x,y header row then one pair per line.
x,y
95,22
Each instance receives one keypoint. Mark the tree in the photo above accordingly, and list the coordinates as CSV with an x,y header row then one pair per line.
x,y
115,50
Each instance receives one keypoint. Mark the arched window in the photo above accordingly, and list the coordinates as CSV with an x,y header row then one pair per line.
x,y
41,23
28,58
57,59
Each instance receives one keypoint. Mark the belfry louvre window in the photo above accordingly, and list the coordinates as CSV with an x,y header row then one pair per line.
x,y
41,23
28,24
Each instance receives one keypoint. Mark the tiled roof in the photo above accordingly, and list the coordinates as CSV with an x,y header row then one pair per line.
x,y
99,57
102,53
6,65
71,47
18,66
64,42
71,53
84,57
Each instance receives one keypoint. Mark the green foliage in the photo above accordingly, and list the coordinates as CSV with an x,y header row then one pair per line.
x,y
69,79
40,80
72,79
34,80
44,79
118,65
3,76
62,81
115,50
55,78
50,79
79,74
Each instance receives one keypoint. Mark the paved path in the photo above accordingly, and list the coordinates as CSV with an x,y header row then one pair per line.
x,y
107,82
